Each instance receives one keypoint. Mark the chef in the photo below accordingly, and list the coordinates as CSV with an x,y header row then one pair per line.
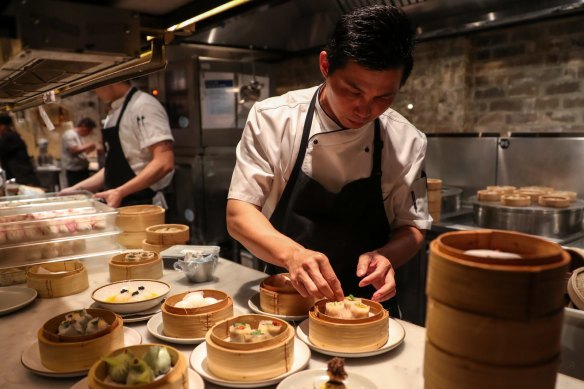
x,y
139,160
329,181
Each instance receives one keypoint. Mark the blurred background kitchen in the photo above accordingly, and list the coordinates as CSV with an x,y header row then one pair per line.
x,y
497,86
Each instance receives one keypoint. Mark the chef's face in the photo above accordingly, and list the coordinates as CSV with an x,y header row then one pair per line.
x,y
106,93
355,95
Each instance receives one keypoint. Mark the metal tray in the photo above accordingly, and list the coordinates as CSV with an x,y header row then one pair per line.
x,y
60,249
46,221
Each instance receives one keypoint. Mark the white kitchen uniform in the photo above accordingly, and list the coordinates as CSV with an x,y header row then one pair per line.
x,y
144,124
334,157
70,161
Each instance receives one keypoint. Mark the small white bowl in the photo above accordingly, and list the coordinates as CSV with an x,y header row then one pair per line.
x,y
102,294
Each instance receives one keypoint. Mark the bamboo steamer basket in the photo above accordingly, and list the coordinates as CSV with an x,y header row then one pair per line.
x,y
520,289
554,201
492,340
157,248
505,189
576,288
488,195
195,322
573,196
64,354
352,335
434,183
516,200
150,269
176,378
249,361
72,280
278,296
445,371
136,218
159,234
132,239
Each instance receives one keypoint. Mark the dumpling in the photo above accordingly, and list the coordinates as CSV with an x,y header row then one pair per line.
x,y
118,366
334,309
237,332
158,359
271,327
350,300
196,299
140,373
183,304
96,325
67,328
359,310
255,336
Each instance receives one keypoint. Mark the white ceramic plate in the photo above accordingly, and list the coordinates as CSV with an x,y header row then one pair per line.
x,y
31,357
254,304
199,363
310,379
13,298
155,327
396,337
101,294
195,382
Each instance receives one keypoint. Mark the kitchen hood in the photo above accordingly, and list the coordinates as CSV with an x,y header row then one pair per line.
x,y
292,26
52,48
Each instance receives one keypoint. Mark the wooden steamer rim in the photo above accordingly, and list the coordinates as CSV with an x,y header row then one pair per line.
x,y
488,195
146,246
72,280
576,288
136,218
120,270
51,327
503,189
433,183
516,200
155,235
554,201
534,251
279,297
220,332
224,301
573,196
261,362
118,259
175,378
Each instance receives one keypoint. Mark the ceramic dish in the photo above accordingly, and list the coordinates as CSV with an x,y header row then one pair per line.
x,y
315,378
198,361
195,382
104,294
12,298
254,304
396,337
155,327
137,316
31,357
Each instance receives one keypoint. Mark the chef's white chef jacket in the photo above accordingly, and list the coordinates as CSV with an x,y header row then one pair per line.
x,y
334,157
144,124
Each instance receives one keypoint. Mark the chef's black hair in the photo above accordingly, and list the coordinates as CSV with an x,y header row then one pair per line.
x,y
377,37
86,122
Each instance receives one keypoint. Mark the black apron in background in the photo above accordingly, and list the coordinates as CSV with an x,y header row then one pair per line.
x,y
117,169
340,225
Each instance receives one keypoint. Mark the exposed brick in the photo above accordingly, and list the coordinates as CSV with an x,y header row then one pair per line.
x,y
491,118
547,103
507,105
577,102
489,93
565,87
525,89
520,118
563,117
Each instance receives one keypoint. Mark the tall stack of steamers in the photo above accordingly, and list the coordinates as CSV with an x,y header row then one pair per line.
x,y
495,309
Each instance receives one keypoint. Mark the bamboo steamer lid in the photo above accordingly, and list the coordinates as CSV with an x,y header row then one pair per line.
x,y
167,234
503,189
576,288
137,218
195,322
148,268
71,279
554,201
524,288
249,362
59,355
573,196
516,200
488,195
534,195
434,183
545,189
278,296
491,340
176,378
353,335
446,371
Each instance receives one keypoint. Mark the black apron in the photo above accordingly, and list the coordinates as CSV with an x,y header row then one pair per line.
x,y
117,169
341,225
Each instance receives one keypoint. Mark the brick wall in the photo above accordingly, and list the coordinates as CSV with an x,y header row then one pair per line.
x,y
528,77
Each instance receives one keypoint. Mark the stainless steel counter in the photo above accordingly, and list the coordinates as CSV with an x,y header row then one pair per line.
x,y
398,368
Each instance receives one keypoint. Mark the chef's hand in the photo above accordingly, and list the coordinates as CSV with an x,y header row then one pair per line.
x,y
378,272
312,275
112,197
68,190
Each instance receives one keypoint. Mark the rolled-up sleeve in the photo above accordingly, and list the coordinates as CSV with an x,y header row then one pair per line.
x,y
254,173
152,122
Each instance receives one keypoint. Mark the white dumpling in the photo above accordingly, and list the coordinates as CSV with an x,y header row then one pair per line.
x,y
209,301
196,299
183,304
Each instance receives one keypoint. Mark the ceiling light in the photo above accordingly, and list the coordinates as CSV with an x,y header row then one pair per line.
x,y
207,14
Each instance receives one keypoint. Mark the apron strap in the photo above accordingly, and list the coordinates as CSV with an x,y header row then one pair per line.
x,y
126,101
377,147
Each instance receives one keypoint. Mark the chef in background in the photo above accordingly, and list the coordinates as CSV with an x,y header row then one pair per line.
x,y
328,182
73,151
139,160
14,157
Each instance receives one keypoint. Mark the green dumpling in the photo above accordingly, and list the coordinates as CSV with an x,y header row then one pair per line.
x,y
158,359
140,373
118,366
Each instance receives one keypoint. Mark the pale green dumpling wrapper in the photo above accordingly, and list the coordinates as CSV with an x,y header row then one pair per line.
x,y
158,359
118,366
140,373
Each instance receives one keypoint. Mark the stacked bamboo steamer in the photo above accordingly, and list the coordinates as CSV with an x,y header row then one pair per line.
x,y
57,279
135,265
494,316
511,196
162,236
434,198
134,220
278,296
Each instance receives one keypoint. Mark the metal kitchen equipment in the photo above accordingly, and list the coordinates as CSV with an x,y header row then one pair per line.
x,y
536,220
451,199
